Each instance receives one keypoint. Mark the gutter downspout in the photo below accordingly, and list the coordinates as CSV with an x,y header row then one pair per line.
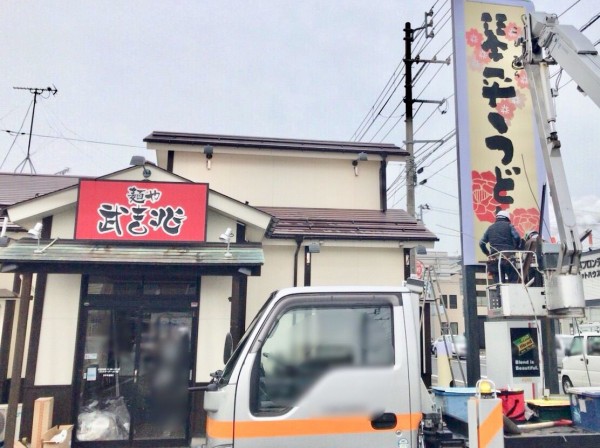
x,y
383,183
298,245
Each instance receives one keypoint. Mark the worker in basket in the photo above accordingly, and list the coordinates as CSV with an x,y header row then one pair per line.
x,y
502,239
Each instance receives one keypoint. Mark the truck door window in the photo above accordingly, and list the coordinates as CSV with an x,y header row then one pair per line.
x,y
306,342
577,346
593,345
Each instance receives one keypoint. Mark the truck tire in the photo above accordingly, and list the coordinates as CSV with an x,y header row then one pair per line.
x,y
566,384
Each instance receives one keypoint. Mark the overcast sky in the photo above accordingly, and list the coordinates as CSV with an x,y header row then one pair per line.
x,y
274,68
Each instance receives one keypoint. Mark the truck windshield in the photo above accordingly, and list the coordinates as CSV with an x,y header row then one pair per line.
x,y
229,367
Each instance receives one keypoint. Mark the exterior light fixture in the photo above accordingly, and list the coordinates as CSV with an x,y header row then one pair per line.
x,y
226,238
314,247
208,151
4,226
141,161
36,232
362,157
3,237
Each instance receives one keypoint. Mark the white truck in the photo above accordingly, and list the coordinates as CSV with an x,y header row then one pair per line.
x,y
323,367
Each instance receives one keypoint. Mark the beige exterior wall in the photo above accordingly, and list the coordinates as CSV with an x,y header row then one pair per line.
x,y
216,225
213,325
350,266
307,181
63,224
276,273
58,334
14,338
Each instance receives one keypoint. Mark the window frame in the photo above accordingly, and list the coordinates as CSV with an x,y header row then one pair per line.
x,y
316,300
576,340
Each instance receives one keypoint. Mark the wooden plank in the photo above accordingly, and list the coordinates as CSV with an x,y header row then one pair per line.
x,y
43,409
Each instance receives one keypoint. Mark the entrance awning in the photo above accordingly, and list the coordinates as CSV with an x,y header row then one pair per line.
x,y
81,256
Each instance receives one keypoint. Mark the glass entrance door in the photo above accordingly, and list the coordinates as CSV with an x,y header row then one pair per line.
x,y
134,375
163,376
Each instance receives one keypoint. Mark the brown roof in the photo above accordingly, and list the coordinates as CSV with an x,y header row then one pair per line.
x,y
20,187
345,224
274,143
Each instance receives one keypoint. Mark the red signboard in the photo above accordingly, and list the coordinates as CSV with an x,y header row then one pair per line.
x,y
141,211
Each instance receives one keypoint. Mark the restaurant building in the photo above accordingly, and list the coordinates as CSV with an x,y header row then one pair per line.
x,y
137,277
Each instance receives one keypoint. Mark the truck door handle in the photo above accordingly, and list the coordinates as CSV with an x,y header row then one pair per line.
x,y
387,420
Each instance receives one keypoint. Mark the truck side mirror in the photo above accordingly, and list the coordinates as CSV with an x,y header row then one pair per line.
x,y
227,348
567,351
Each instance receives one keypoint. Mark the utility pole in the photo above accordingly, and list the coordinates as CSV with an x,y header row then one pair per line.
x,y
408,101
35,91
411,175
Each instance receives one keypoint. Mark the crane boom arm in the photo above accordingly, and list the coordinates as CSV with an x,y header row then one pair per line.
x,y
545,42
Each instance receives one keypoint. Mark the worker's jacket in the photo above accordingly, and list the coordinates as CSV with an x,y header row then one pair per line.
x,y
500,236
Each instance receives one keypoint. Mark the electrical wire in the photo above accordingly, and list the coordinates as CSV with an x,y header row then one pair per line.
x,y
387,100
400,180
16,135
569,8
96,142
388,92
377,102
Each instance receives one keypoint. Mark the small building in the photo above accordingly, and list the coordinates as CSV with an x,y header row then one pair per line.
x,y
140,276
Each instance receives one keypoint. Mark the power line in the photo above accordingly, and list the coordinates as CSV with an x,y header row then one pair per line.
x,y
391,87
376,104
440,191
399,181
569,8
96,142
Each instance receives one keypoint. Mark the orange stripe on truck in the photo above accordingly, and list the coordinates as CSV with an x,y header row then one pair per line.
x,y
304,427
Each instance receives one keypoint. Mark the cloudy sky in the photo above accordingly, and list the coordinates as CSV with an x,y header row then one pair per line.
x,y
276,68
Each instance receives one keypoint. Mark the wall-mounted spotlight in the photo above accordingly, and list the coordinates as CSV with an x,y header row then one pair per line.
x,y
362,157
208,151
226,238
141,161
36,232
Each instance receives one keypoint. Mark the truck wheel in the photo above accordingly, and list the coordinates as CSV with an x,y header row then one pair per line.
x,y
566,384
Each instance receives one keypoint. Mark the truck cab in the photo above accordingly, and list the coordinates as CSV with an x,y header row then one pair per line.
x,y
322,367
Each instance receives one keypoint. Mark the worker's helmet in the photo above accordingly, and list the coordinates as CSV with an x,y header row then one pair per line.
x,y
503,214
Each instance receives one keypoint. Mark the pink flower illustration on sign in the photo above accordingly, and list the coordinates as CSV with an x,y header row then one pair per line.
x,y
506,108
484,204
521,79
474,38
525,220
481,55
519,100
513,32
